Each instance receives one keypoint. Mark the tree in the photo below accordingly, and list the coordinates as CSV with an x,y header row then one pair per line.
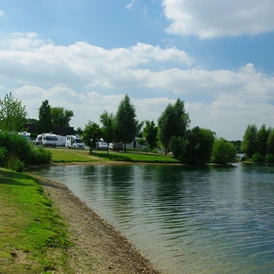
x,y
44,123
125,122
13,114
199,146
150,133
223,152
172,122
262,137
79,131
91,135
250,141
60,117
178,147
270,142
108,130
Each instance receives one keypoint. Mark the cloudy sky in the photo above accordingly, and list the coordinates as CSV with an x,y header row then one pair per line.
x,y
85,55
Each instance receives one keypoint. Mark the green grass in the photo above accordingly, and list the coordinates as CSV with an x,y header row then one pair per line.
x,y
135,157
71,155
33,237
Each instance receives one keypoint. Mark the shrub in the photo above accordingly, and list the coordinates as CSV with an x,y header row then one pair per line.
x,y
244,158
258,158
223,152
17,145
15,164
3,156
269,158
40,156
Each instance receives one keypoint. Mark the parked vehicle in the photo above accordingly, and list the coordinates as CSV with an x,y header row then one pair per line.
x,y
51,140
73,141
102,145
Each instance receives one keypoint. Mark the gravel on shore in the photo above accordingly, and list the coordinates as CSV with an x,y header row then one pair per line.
x,y
98,247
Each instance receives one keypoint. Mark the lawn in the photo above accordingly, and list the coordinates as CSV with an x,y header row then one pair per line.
x,y
65,155
135,157
33,237
71,155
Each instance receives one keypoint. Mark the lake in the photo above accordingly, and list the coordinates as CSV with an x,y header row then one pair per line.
x,y
185,220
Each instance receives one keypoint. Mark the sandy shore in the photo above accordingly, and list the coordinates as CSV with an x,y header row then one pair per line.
x,y
99,248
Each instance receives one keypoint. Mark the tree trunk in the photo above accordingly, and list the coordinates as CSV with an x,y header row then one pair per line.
x,y
125,147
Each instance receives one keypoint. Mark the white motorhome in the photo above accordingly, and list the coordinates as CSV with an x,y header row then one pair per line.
x,y
49,139
73,141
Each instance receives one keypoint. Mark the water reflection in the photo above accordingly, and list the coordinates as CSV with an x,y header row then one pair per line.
x,y
206,220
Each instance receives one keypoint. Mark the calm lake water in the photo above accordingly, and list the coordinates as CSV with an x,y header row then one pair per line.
x,y
186,220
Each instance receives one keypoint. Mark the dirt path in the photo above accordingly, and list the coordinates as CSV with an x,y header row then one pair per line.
x,y
98,249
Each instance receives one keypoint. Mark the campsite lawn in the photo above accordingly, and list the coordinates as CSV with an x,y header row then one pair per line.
x,y
65,155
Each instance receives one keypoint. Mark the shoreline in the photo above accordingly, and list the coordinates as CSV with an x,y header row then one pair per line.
x,y
98,247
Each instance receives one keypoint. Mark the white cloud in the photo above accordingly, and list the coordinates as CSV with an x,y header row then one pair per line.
x,y
130,5
89,79
2,13
215,18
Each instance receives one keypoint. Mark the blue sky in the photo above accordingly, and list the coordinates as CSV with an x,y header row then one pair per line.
x,y
85,55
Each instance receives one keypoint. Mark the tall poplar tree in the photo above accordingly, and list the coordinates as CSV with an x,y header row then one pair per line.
x,y
125,122
44,123
174,121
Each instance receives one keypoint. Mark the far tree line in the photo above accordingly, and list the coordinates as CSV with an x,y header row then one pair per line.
x,y
258,145
195,146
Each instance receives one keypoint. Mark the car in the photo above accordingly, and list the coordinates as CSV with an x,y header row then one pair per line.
x,y
102,145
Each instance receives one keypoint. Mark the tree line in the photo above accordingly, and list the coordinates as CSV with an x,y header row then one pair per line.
x,y
195,146
258,145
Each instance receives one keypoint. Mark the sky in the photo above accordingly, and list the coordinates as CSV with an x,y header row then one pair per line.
x,y
85,55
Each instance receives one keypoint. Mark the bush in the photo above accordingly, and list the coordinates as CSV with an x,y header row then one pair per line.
x,y
258,158
3,156
15,164
244,158
16,152
223,152
17,145
269,158
40,156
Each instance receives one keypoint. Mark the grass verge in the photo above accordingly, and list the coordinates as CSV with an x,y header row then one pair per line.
x,y
71,155
135,157
33,237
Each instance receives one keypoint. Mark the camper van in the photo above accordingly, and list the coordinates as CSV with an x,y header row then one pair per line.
x,y
49,139
73,141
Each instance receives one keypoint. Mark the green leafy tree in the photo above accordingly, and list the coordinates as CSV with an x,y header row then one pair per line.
x,y
223,152
262,137
150,133
44,123
61,117
108,127
250,141
126,123
79,131
91,135
199,146
270,142
13,114
174,121
178,147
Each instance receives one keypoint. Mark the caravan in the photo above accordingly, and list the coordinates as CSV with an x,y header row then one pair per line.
x,y
73,141
49,139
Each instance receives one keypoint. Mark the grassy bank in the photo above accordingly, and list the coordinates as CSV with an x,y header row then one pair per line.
x,y
33,238
71,155
66,155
